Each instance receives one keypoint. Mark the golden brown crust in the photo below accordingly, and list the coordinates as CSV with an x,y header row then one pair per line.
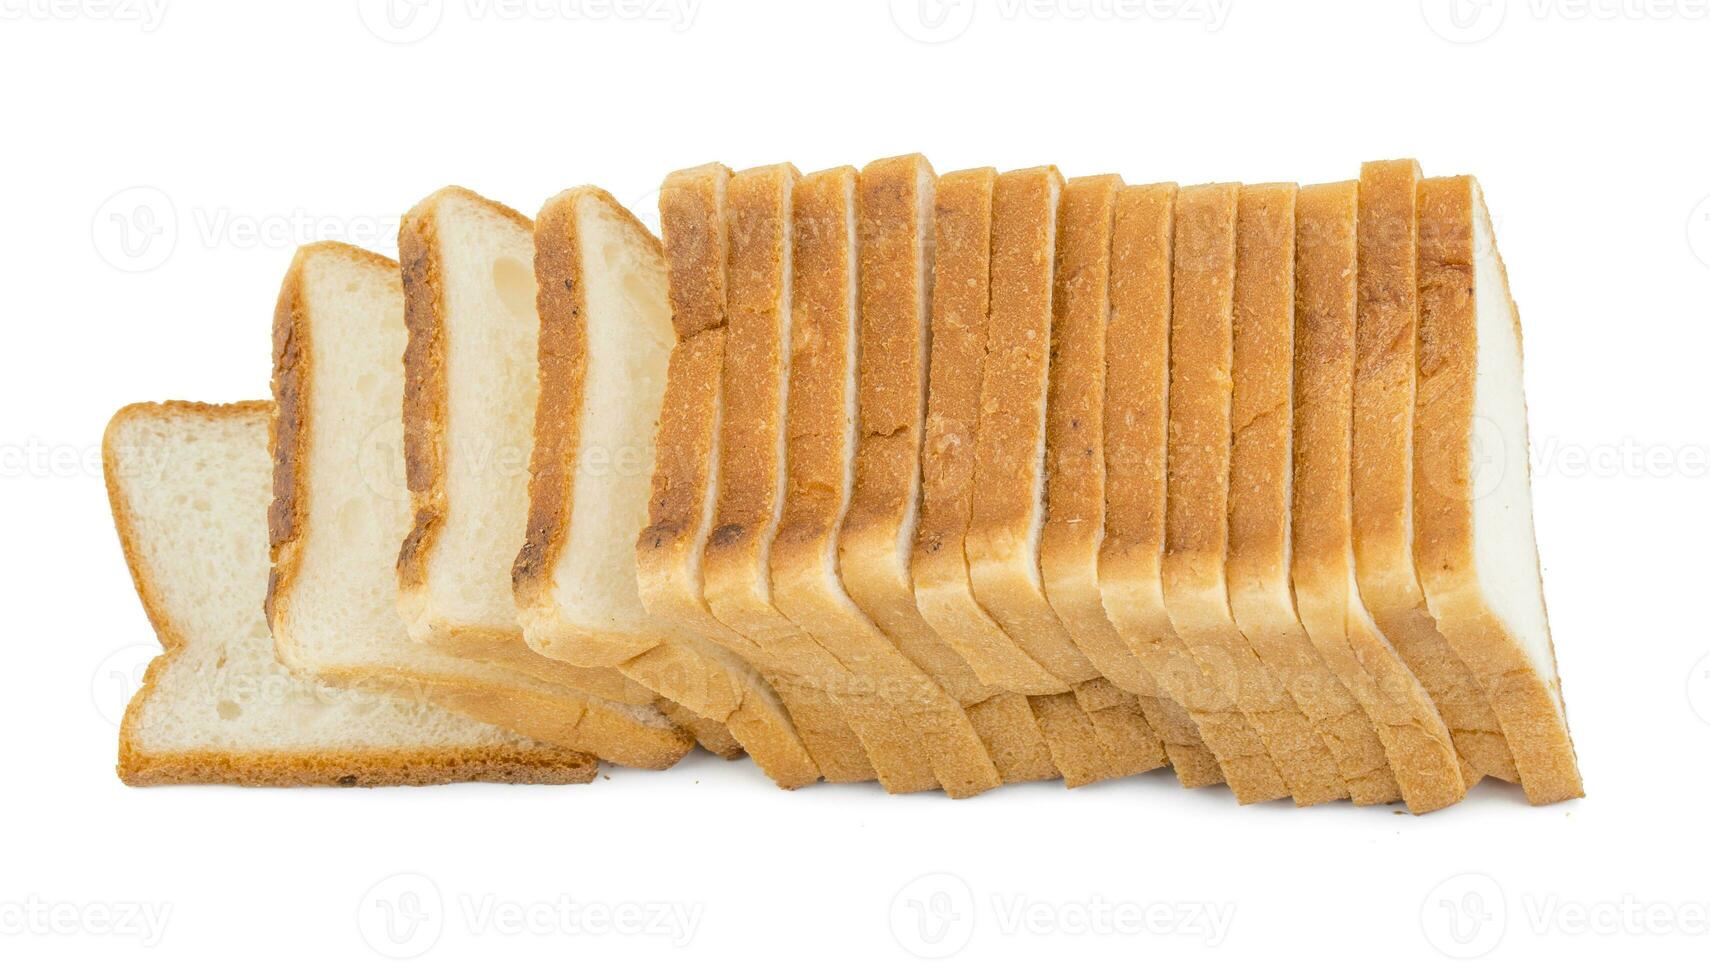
x,y
1197,520
138,767
1415,740
1384,387
424,388
1260,480
691,221
961,296
1525,703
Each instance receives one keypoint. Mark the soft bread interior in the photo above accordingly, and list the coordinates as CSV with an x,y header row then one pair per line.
x,y
629,338
1505,548
492,335
198,528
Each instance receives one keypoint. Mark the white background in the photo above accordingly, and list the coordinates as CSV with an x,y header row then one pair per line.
x,y
255,127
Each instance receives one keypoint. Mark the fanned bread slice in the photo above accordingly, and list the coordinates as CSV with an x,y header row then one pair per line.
x,y
822,432
1075,468
1417,744
1196,540
1472,534
961,298
1261,467
604,347
1137,389
1386,338
1007,512
689,485
469,397
339,511
189,486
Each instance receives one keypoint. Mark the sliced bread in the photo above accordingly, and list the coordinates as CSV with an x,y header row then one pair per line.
x,y
1197,510
1415,740
1261,467
1137,389
604,347
688,484
1472,534
1385,344
338,513
469,395
216,706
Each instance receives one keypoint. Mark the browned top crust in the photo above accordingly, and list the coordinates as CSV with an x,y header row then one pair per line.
x,y
1136,380
1201,348
692,223
822,321
1017,359
289,436
1325,312
1075,409
424,372
1386,338
1262,406
563,308
892,227
962,230
757,230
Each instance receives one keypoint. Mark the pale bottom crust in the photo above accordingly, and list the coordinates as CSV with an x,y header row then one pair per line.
x,y
946,601
1144,626
1473,724
951,748
709,734
1272,627
507,649
1076,599
1524,703
1421,755
405,767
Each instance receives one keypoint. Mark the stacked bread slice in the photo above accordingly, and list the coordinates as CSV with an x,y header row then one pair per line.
x,y
872,474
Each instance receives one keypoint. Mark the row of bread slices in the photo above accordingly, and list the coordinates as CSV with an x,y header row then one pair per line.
x,y
946,482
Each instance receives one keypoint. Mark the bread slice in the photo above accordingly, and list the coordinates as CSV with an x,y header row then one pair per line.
x,y
1137,389
336,518
1472,533
605,341
1075,470
216,706
1261,467
823,435
1416,742
1386,337
688,482
1197,511
470,389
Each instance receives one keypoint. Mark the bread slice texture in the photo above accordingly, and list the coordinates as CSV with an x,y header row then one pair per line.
x,y
1415,740
216,706
470,388
338,513
1261,468
1386,339
1197,519
1137,390
605,340
688,482
1472,535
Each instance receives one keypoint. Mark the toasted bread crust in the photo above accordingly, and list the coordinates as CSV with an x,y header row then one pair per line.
x,y
1386,339
1260,485
138,767
691,218
1527,706
1416,742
